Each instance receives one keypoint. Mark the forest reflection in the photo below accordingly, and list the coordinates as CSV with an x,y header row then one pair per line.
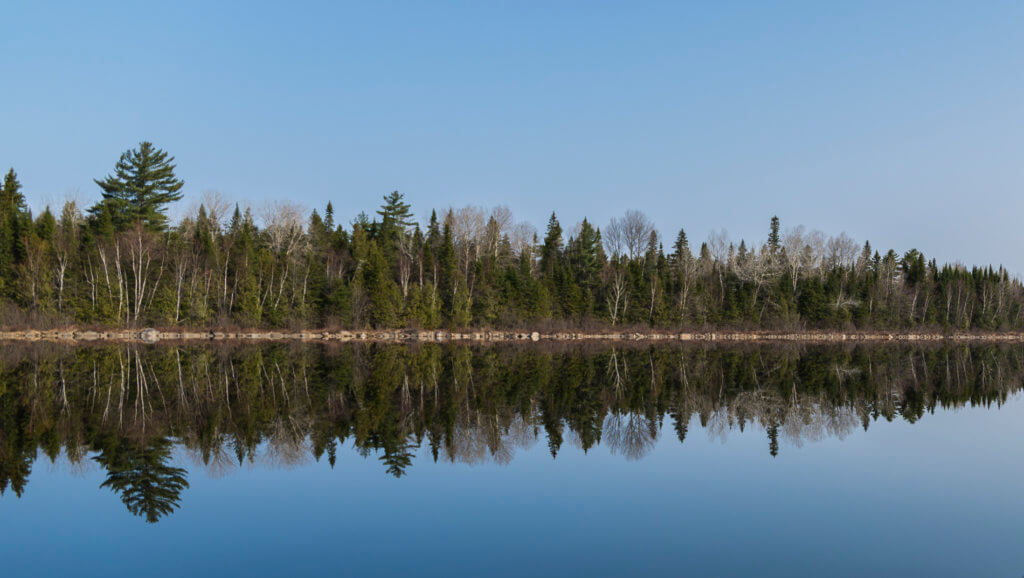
x,y
127,407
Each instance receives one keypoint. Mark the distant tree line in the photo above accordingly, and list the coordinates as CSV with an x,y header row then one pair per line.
x,y
121,262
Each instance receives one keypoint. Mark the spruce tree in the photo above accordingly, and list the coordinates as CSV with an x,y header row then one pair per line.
x,y
385,298
329,217
15,223
552,248
774,241
681,248
447,282
586,257
11,198
142,185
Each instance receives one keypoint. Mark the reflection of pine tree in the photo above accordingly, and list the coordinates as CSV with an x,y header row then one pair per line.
x,y
773,440
17,451
398,457
681,423
15,470
148,486
332,453
554,431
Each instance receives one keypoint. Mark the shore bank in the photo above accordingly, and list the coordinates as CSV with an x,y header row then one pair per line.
x,y
150,335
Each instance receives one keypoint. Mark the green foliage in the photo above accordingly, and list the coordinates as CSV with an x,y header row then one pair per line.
x,y
14,225
382,292
148,486
142,185
126,265
395,401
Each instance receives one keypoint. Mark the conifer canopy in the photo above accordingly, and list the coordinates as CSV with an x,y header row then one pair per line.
x,y
139,190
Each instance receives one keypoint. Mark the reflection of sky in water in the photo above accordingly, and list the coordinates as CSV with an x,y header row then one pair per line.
x,y
939,497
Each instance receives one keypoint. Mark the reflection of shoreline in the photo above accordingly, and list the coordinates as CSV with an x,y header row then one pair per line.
x,y
285,404
72,335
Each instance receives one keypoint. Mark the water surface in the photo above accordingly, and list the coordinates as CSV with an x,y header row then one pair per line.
x,y
511,460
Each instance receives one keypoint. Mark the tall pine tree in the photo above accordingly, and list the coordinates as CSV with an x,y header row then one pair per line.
x,y
139,190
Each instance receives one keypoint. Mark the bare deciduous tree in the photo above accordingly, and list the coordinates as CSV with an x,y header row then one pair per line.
x,y
628,234
65,244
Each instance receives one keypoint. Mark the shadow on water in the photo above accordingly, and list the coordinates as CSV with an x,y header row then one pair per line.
x,y
127,407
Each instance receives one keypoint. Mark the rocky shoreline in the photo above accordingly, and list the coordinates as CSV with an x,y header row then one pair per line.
x,y
150,335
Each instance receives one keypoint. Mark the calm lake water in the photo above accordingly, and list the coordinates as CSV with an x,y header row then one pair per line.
x,y
373,460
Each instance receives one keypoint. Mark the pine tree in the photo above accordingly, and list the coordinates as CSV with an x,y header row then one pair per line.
x,y
139,190
141,475
396,218
395,212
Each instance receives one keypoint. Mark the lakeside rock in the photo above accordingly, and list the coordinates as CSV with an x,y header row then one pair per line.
x,y
151,335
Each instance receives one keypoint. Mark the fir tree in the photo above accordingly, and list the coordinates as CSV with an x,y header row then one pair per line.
x,y
329,217
586,258
382,292
14,226
447,283
774,240
551,251
681,248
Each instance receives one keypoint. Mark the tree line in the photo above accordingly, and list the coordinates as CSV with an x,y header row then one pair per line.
x,y
121,262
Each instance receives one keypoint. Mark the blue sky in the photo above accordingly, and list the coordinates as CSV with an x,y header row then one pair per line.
x,y
898,122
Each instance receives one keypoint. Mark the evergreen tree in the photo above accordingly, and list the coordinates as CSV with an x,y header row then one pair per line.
x,y
447,283
14,226
329,217
149,487
681,248
382,292
551,251
395,213
586,258
139,190
774,241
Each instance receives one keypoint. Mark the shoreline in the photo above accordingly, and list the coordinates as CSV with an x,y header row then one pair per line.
x,y
150,335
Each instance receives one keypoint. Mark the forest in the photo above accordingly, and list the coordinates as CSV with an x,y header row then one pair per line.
x,y
122,263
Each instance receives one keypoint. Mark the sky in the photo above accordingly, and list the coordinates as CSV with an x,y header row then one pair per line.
x,y
897,122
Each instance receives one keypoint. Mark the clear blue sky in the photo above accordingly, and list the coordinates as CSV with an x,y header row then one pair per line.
x,y
899,122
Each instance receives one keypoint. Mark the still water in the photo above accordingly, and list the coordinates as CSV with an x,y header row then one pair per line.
x,y
373,460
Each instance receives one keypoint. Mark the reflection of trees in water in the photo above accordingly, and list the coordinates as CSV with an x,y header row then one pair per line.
x,y
630,434
140,474
490,439
799,419
286,404
287,444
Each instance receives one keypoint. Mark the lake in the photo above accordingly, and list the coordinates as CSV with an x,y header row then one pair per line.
x,y
511,460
